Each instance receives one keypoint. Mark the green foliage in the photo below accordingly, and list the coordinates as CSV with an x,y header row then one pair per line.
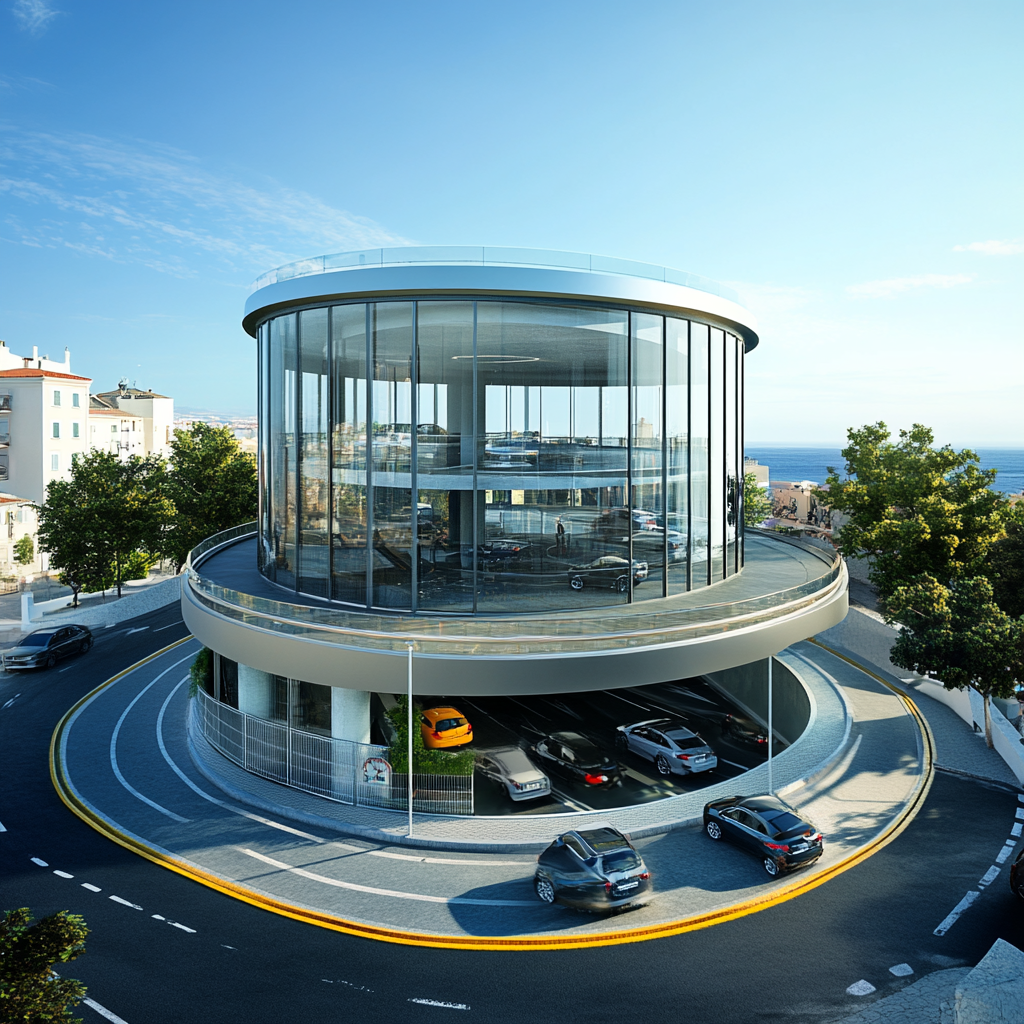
x,y
24,550
106,512
1005,565
915,509
201,673
425,761
212,483
757,502
29,990
137,565
960,636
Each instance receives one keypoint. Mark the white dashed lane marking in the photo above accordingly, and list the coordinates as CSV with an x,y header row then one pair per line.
x,y
63,874
989,877
104,1012
2,829
1005,852
41,863
1017,829
450,1006
901,970
860,988
955,913
1019,813
125,903
91,887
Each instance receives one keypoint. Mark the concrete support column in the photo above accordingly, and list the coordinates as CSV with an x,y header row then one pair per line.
x,y
255,692
350,714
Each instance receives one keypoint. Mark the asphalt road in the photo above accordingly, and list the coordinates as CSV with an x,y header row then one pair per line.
x,y
192,954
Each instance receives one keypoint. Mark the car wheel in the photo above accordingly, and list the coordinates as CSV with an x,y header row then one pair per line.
x,y
621,743
770,866
545,890
622,585
576,583
51,661
661,763
714,830
86,646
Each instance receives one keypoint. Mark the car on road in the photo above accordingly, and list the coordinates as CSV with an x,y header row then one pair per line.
x,y
570,756
592,869
511,769
45,647
1017,874
674,749
608,571
768,827
444,727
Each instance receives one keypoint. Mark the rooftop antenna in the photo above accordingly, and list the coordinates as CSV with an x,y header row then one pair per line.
x,y
122,386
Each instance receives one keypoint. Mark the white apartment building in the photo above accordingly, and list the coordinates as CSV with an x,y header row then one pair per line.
x,y
116,431
18,519
156,413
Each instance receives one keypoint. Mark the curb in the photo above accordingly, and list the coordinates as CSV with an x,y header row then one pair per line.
x,y
297,912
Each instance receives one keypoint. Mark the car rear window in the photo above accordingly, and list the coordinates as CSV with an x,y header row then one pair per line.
x,y
450,723
684,741
601,839
783,821
621,860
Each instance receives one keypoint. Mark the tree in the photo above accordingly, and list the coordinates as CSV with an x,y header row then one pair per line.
x,y
425,760
757,502
93,523
29,990
25,550
913,508
1005,566
212,483
960,636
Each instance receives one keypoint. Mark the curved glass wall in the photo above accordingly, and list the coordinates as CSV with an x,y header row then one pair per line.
x,y
507,456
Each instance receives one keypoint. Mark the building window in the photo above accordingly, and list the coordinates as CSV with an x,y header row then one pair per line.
x,y
56,398
133,426
74,399
56,430
74,430
55,463
113,428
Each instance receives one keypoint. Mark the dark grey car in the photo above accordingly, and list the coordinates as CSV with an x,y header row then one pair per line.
x,y
45,647
592,869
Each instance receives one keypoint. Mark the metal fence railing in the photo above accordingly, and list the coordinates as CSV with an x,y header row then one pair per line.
x,y
342,770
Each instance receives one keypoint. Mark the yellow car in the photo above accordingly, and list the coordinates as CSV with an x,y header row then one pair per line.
x,y
444,727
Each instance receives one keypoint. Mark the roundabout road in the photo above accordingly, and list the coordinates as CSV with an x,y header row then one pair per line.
x,y
167,948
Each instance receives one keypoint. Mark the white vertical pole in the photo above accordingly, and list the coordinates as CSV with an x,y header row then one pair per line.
x,y
771,788
409,725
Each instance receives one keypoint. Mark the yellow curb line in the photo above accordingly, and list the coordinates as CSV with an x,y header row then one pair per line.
x,y
533,942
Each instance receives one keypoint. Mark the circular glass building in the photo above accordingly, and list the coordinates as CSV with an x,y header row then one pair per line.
x,y
528,438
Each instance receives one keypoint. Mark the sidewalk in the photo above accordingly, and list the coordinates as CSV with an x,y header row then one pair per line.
x,y
124,764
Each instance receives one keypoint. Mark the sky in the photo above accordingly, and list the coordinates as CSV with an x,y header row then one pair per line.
x,y
852,169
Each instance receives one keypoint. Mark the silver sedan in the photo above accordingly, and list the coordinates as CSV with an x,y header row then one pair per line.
x,y
510,768
674,749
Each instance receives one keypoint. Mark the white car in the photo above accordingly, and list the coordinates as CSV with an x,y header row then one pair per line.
x,y
674,749
511,769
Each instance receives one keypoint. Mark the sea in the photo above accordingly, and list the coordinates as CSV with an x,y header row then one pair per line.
x,y
792,463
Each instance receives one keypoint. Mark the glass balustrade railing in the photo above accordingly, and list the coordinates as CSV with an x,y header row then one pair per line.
x,y
503,636
475,255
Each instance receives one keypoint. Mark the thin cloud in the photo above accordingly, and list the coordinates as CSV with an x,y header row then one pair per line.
x,y
994,247
153,205
897,285
34,15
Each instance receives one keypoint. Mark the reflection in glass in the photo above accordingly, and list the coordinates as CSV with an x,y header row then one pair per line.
x,y
731,481
444,462
283,359
677,434
716,474
700,426
649,524
552,456
264,546
391,415
348,453
312,452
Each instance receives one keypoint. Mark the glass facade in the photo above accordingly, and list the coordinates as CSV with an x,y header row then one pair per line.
x,y
561,456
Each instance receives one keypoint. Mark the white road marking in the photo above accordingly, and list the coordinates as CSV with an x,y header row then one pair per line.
x,y
437,860
454,900
955,913
126,903
41,863
63,874
159,917
1020,797
206,796
103,1011
642,707
10,702
91,887
901,970
1019,813
171,626
1017,829
2,829
113,747
990,876
860,988
435,1002
137,629
223,946
1005,852
742,767
184,928
68,669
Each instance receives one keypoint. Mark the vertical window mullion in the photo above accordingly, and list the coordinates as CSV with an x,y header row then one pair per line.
x,y
330,454
689,455
664,455
414,400
298,448
476,434
630,375
741,370
368,431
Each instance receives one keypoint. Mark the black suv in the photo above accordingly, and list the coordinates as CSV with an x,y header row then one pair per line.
x,y
595,869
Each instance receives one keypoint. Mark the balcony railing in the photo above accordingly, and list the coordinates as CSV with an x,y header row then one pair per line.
x,y
494,636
